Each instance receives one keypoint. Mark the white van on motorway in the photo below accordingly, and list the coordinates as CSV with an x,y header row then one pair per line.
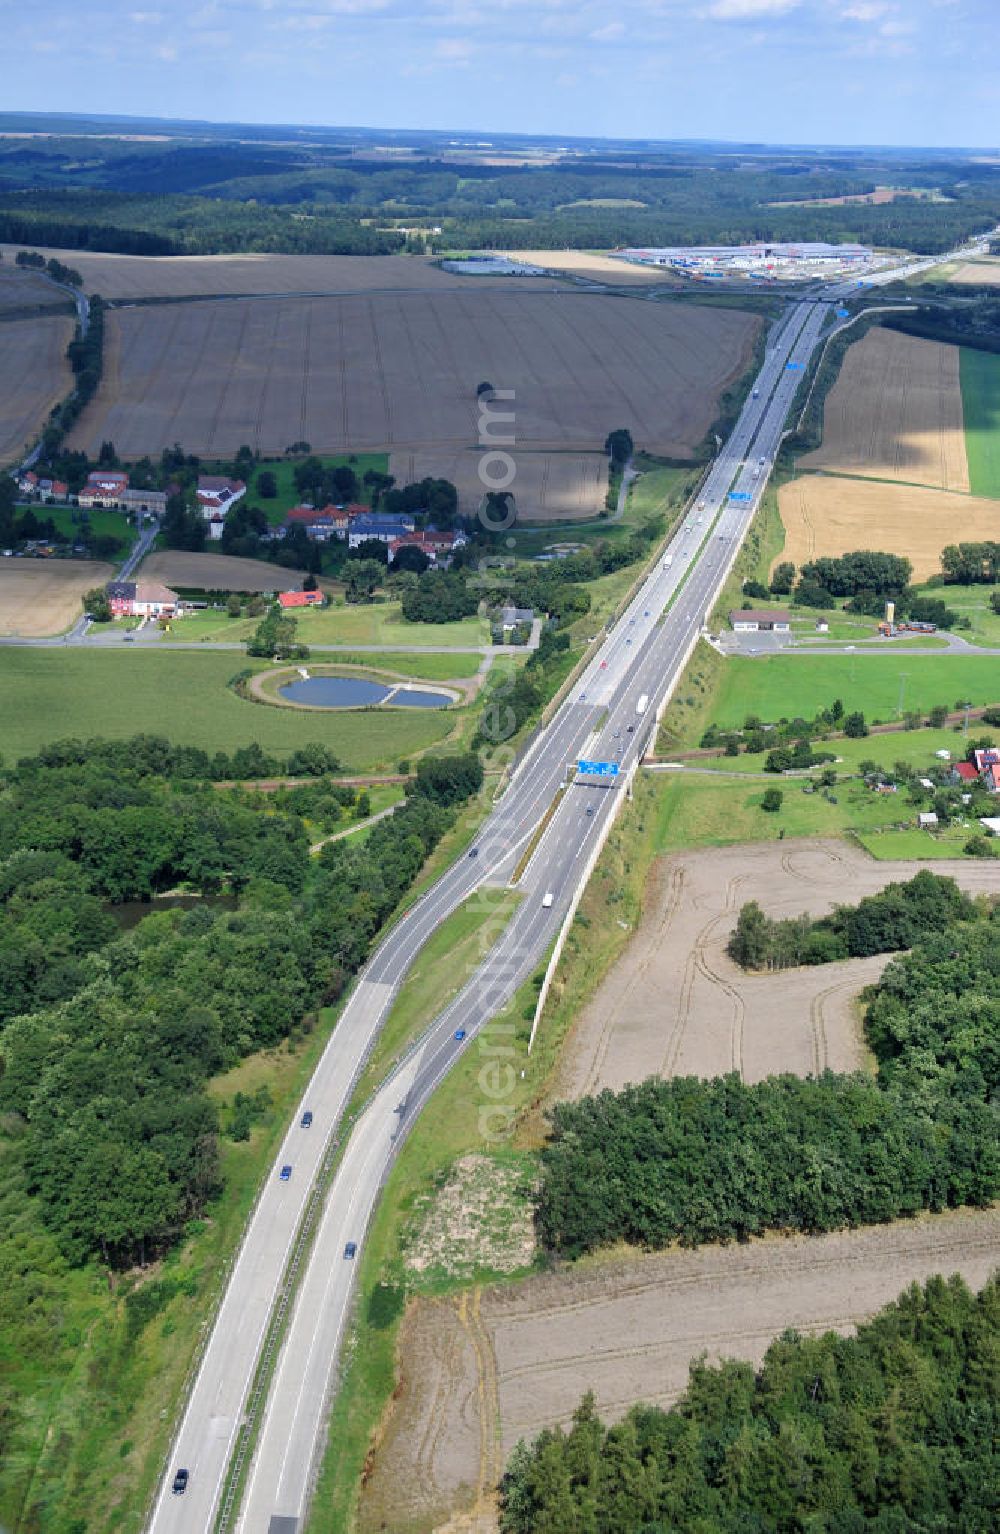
x,y
547,899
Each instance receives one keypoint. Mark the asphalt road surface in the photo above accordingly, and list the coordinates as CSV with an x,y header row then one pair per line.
x,y
600,719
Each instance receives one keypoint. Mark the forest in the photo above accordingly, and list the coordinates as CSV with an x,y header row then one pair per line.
x,y
235,194
108,1035
893,1429
696,1161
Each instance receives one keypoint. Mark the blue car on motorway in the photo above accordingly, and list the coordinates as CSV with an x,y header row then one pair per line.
x,y
306,1119
285,1173
459,1034
350,1250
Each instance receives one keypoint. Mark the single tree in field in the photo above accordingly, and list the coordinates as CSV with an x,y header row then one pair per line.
x,y
96,603
267,485
771,800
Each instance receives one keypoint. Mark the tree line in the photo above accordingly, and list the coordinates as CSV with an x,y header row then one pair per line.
x,y
719,1160
890,1429
897,917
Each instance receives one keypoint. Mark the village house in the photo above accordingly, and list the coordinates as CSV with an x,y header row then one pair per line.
x,y
153,502
988,767
45,489
104,488
215,495
438,547
287,599
142,599
320,525
752,620
382,529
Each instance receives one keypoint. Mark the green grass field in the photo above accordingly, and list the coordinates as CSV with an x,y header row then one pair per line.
x,y
980,374
659,490
914,747
283,470
883,685
48,695
972,602
364,623
103,524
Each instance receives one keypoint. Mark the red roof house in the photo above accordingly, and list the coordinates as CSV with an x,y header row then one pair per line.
x,y
300,599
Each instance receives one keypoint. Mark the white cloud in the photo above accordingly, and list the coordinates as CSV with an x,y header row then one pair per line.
x,y
166,53
454,50
146,18
740,10
607,34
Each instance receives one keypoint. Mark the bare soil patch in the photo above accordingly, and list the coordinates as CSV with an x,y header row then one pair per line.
x,y
400,371
34,374
895,412
675,1004
126,277
218,572
479,1219
515,1359
826,514
548,487
42,596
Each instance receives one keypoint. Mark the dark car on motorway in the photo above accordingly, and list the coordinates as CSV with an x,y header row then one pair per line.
x,y
285,1173
180,1485
350,1250
307,1118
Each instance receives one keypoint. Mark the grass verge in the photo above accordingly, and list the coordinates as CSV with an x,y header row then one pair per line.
x,y
980,379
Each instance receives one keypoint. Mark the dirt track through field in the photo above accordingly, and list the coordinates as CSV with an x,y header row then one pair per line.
x,y
826,514
42,596
400,371
34,375
504,1364
675,1004
895,412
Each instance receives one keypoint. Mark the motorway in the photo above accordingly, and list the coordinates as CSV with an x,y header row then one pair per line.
x,y
645,653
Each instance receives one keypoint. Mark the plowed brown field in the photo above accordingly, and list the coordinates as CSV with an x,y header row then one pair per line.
x,y
984,273
390,371
192,276
548,487
42,596
34,374
895,412
481,1371
675,1004
596,267
829,515
218,572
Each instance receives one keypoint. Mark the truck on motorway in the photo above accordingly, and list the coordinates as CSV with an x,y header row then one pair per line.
x,y
668,560
642,704
756,394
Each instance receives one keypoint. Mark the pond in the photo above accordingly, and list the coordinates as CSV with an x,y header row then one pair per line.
x,y
354,692
131,912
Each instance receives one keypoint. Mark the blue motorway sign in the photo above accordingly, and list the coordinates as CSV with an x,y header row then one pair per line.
x,y
843,314
794,367
741,495
598,769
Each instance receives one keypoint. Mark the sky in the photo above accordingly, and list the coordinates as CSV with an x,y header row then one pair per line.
x,y
907,72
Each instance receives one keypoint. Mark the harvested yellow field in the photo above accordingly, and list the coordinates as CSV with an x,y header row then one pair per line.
x,y
984,273
598,267
42,596
547,487
126,277
218,572
34,374
895,412
386,371
823,514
